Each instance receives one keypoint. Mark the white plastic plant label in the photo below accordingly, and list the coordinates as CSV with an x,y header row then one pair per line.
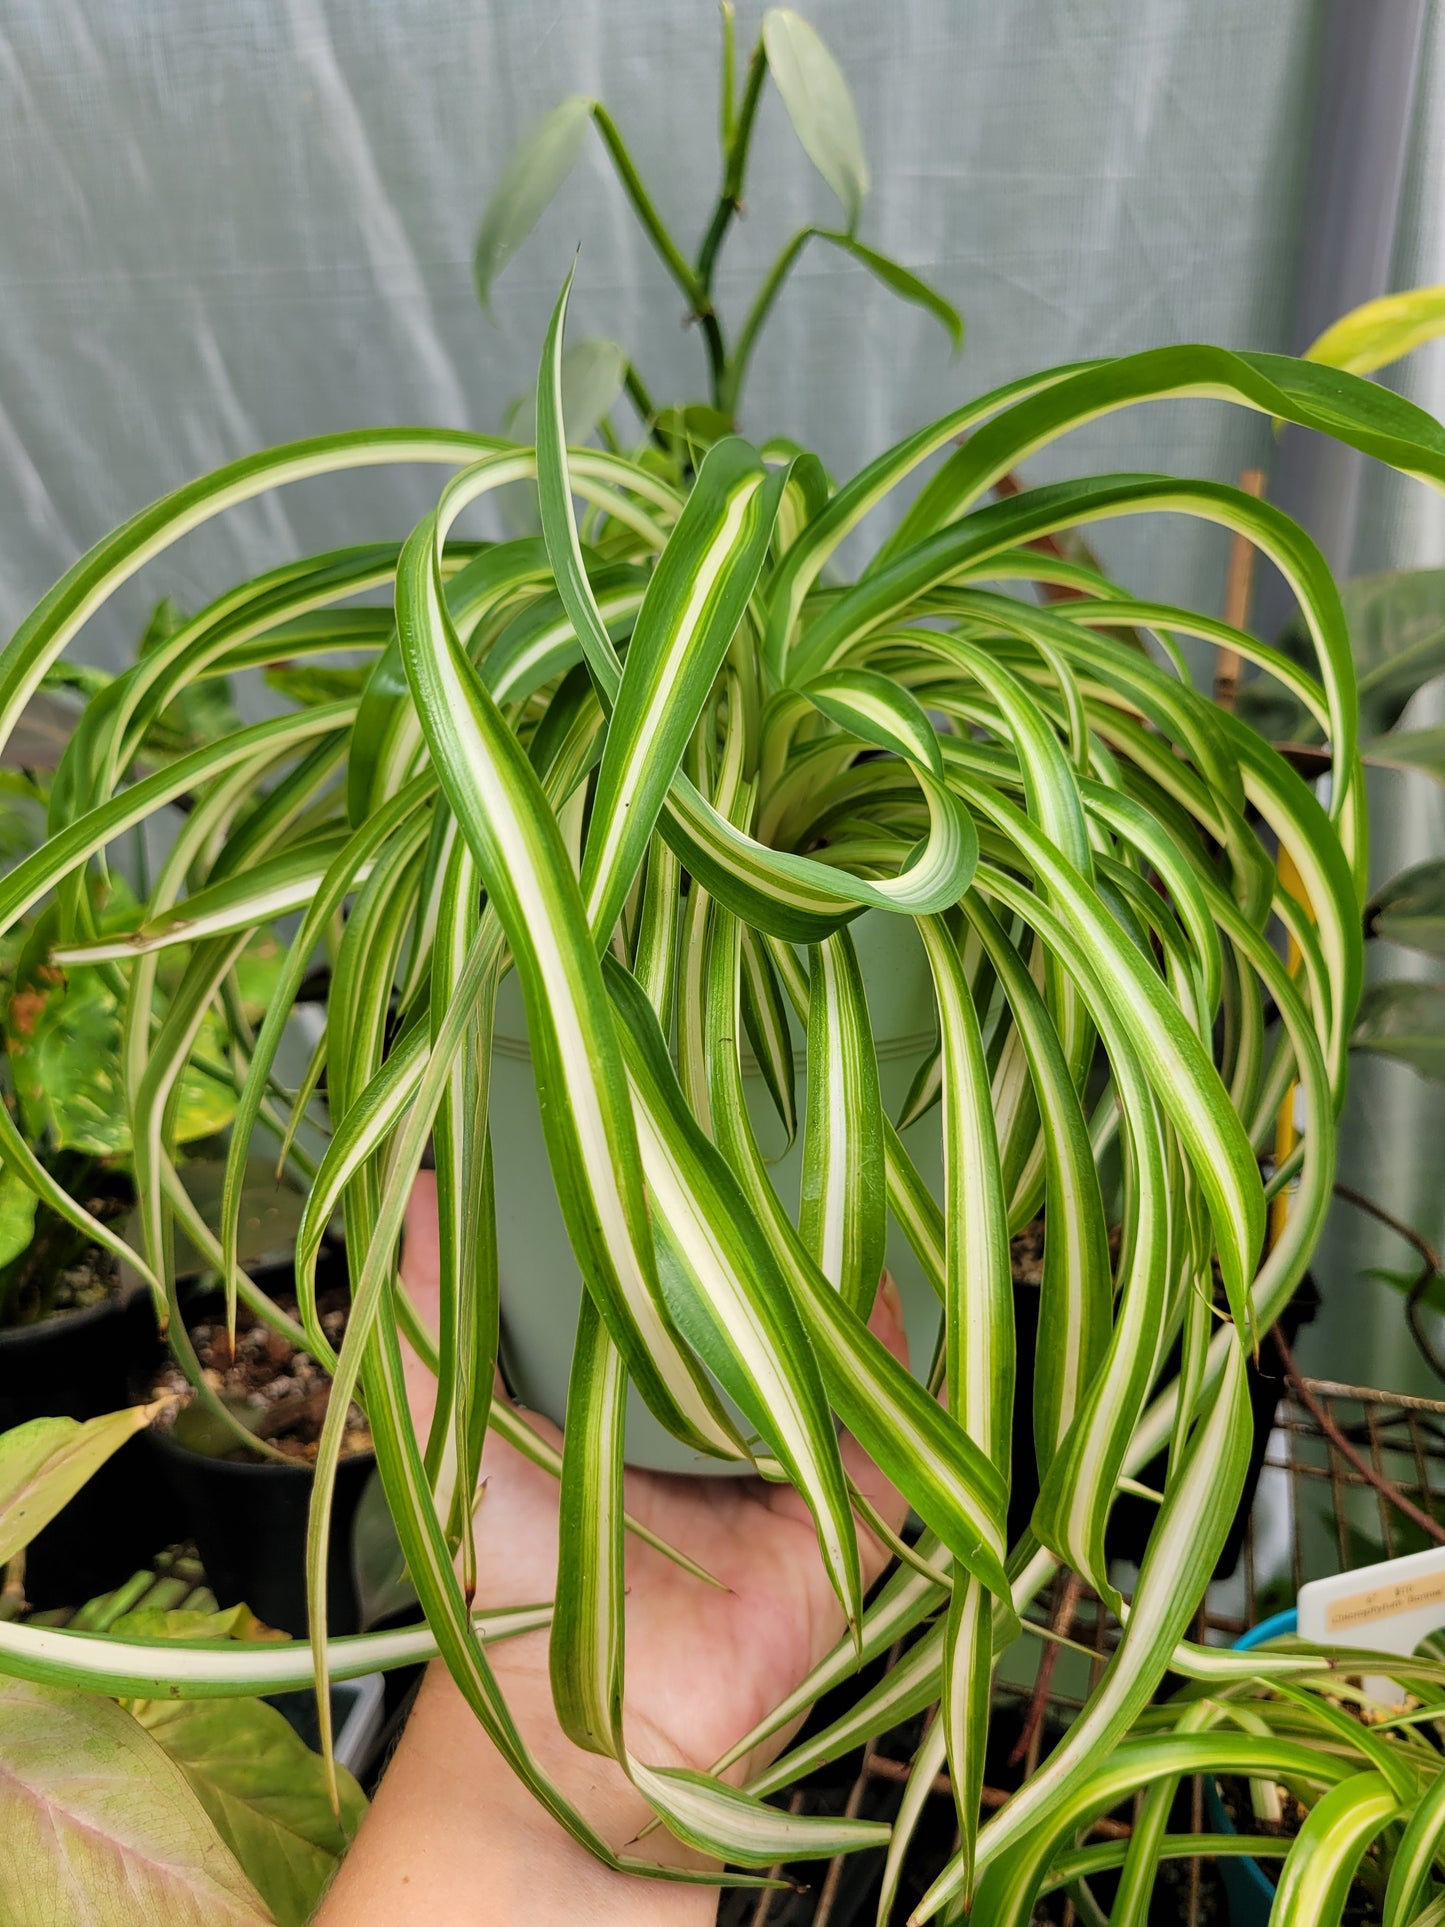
x,y
1387,1608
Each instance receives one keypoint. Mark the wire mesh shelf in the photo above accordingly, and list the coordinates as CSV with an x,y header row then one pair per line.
x,y
1351,1475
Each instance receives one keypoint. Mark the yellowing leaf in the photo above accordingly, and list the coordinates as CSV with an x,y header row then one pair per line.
x,y
45,1462
101,1827
1379,332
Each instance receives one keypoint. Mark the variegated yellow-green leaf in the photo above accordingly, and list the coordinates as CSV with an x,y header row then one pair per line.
x,y
1381,331
45,1462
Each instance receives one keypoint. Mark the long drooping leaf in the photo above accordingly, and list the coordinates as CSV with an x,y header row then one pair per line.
x,y
741,1316
693,605
1182,1551
499,804
739,756
587,1632
842,1216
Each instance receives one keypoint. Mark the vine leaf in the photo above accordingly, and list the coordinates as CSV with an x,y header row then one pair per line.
x,y
819,106
540,162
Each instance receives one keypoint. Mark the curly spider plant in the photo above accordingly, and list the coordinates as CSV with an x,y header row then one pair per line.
x,y
664,810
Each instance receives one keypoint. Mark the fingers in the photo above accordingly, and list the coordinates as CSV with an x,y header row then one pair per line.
x,y
886,1324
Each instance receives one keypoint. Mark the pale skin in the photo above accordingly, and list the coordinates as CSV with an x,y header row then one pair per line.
x,y
452,1838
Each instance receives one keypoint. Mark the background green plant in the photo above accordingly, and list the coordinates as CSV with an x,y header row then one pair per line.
x,y
595,373
1397,633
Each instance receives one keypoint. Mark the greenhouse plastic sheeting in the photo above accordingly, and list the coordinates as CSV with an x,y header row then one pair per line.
x,y
230,223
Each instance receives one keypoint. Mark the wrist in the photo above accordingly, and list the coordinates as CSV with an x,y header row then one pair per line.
x,y
530,1866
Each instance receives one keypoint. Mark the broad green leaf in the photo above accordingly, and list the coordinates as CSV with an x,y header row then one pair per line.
x,y
819,106
176,1622
1404,1020
100,1825
1381,331
45,1462
696,427
265,1792
1410,909
1409,750
17,1215
1397,636
592,376
539,164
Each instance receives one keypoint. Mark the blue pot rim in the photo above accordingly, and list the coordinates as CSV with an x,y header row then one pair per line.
x,y
1247,1869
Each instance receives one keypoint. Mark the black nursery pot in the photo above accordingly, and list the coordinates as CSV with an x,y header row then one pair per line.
x,y
1132,1519
79,1364
248,1517
249,1525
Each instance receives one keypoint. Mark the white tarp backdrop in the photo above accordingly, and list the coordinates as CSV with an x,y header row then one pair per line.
x,y
229,223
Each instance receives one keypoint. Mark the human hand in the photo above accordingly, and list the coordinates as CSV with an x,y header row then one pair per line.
x,y
703,1666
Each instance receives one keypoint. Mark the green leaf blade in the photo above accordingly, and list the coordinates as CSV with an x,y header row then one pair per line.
x,y
46,1461
901,281
1404,1020
539,164
843,1214
266,1793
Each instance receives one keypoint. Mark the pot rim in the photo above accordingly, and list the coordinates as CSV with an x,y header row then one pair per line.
x,y
71,1318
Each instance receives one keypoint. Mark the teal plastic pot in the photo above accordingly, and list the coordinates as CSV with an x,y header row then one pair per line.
x,y
1248,1888
540,1282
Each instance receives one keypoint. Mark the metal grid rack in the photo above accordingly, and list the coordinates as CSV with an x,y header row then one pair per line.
x,y
1352,1475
